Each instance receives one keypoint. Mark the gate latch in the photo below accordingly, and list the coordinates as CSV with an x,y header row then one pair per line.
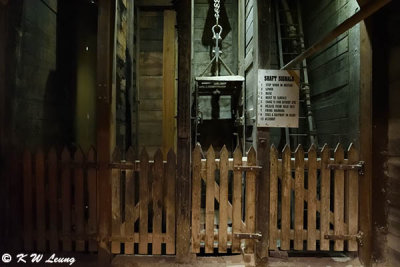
x,y
359,237
359,166
256,236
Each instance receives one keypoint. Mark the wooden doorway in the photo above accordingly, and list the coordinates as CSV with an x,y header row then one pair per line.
x,y
156,72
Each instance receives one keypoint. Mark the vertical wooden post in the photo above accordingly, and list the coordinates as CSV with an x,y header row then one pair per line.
x,y
105,42
183,189
365,187
169,81
262,34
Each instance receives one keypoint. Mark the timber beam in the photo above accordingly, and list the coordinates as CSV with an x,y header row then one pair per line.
x,y
366,11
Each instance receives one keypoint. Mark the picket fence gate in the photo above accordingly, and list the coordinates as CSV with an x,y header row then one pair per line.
x,y
225,181
143,203
314,200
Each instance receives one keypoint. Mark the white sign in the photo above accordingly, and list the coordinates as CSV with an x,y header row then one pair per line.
x,y
278,98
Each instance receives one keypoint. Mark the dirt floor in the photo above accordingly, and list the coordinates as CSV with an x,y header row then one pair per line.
x,y
232,261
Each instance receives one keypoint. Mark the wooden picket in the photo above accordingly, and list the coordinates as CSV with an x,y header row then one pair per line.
x,y
307,218
54,190
237,199
214,226
250,197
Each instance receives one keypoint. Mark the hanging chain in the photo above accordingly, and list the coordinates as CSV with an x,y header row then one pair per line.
x,y
217,5
217,31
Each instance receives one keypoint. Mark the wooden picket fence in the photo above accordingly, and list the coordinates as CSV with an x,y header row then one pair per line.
x,y
59,201
311,202
143,204
231,182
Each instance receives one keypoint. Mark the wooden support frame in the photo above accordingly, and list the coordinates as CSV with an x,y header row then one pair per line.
x,y
183,189
168,128
366,11
262,32
105,43
365,187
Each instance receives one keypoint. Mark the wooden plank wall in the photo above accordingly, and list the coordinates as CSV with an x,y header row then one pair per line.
x,y
334,72
169,81
150,82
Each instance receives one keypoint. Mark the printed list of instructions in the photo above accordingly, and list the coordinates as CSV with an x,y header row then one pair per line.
x,y
278,99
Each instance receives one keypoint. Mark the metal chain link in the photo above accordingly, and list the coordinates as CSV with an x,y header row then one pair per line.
x,y
217,6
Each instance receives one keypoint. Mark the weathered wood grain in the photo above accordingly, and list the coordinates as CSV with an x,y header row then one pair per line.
x,y
273,210
116,202
352,198
286,193
129,201
251,199
312,198
299,198
325,197
339,198
209,247
196,198
223,201
170,179
237,199
143,202
158,175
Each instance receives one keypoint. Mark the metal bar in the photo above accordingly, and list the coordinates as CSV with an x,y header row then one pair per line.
x,y
256,236
226,67
359,237
246,168
208,66
359,167
364,13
